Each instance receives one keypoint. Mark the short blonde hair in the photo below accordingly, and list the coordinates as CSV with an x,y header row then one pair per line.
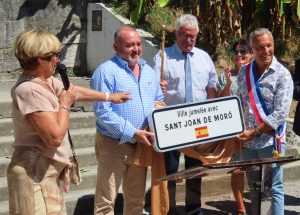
x,y
32,44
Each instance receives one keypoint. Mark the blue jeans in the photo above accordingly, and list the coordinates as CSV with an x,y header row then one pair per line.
x,y
276,176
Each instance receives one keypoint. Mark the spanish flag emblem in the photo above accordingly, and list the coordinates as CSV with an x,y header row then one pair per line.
x,y
201,132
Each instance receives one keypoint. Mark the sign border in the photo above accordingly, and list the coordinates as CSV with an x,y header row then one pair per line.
x,y
168,148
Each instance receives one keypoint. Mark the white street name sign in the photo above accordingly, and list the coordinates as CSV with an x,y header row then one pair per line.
x,y
191,124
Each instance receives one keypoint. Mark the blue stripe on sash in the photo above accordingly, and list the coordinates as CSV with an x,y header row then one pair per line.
x,y
262,101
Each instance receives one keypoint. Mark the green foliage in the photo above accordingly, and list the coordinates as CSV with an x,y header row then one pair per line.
x,y
121,9
139,8
298,9
70,72
136,13
156,18
282,2
259,15
221,21
163,3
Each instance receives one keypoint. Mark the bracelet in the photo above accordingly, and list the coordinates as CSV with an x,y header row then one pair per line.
x,y
65,107
106,96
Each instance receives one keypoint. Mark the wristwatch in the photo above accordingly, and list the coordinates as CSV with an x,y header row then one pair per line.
x,y
257,133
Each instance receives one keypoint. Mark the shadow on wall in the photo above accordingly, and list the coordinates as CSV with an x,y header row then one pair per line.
x,y
69,31
30,7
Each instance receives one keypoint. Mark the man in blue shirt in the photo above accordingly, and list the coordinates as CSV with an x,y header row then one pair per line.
x,y
120,127
189,76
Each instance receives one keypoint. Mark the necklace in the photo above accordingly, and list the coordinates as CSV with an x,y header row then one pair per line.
x,y
45,84
42,81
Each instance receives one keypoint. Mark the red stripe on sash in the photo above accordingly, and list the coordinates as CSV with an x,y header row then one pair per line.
x,y
251,96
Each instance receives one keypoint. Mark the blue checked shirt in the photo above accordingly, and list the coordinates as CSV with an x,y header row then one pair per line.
x,y
276,87
120,121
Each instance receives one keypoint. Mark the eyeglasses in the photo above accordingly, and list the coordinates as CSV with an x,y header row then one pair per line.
x,y
186,36
237,52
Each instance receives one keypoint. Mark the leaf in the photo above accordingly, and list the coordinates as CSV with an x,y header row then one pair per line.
x,y
283,28
163,3
281,5
135,15
298,9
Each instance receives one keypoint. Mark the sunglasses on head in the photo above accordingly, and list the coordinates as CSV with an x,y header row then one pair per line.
x,y
242,52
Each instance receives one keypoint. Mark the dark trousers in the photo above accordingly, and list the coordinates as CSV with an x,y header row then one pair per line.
x,y
193,186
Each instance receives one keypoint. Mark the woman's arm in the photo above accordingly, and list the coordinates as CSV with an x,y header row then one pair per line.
x,y
52,126
227,87
226,90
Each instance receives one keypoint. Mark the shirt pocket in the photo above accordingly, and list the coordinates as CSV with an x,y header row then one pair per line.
x,y
173,81
200,82
149,87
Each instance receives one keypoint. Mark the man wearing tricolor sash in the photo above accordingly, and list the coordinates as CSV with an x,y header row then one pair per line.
x,y
266,89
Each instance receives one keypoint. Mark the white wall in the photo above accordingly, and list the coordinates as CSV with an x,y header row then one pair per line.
x,y
99,43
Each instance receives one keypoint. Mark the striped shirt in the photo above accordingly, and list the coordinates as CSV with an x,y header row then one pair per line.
x,y
120,121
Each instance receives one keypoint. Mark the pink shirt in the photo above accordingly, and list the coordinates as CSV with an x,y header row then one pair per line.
x,y
29,97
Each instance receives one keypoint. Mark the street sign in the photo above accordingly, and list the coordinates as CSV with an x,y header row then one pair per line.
x,y
191,124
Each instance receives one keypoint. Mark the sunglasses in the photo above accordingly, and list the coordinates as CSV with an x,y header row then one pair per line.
x,y
57,54
49,55
237,52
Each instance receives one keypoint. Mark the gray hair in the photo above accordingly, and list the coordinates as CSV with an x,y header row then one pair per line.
x,y
187,20
258,32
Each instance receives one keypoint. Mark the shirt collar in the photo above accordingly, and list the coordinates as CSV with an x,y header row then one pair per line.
x,y
272,66
273,63
124,63
178,50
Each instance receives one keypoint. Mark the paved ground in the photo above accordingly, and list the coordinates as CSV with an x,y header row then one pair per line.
x,y
214,205
224,204
218,203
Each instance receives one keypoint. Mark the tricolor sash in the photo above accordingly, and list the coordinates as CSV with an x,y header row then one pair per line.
x,y
259,106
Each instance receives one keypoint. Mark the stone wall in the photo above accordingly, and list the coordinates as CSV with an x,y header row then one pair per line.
x,y
65,18
68,20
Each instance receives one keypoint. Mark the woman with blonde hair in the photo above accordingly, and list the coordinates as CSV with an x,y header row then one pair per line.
x,y
40,112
